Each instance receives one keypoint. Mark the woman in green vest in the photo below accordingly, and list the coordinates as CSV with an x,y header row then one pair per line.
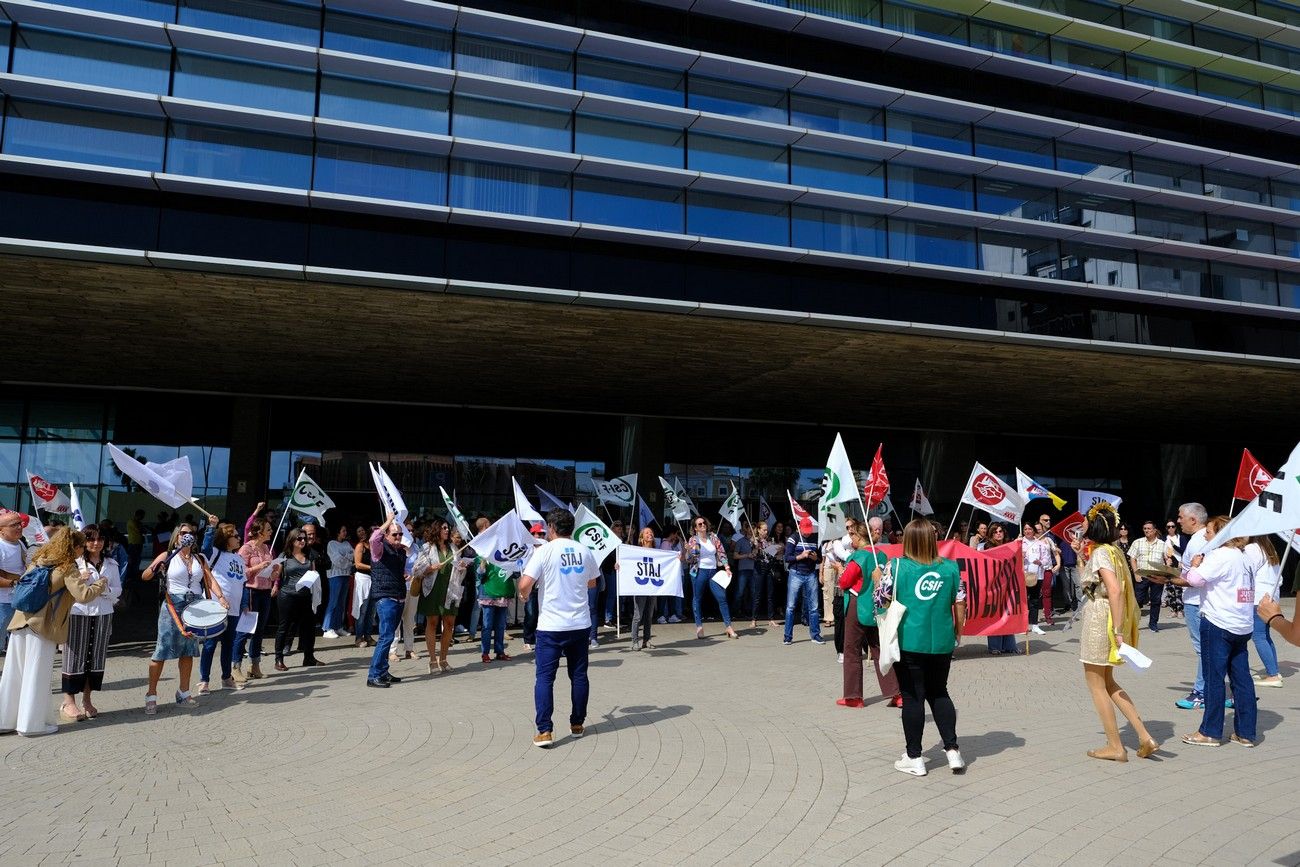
x,y
858,581
930,588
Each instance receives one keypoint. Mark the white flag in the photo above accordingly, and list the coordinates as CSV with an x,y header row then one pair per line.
x,y
506,544
674,504
986,491
78,520
648,572
47,497
172,482
593,534
685,497
620,491
832,523
1088,499
839,485
33,531
765,513
732,509
392,500
308,498
456,517
523,508
920,502
549,501
1276,509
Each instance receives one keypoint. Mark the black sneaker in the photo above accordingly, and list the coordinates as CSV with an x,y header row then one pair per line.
x,y
388,678
377,684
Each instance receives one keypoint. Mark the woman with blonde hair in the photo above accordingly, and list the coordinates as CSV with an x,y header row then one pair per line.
x,y
1109,620
33,636
90,624
643,606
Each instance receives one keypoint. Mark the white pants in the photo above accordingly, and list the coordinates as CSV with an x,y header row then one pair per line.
x,y
408,622
25,684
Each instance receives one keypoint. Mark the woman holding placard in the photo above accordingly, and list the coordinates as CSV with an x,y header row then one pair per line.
x,y
706,557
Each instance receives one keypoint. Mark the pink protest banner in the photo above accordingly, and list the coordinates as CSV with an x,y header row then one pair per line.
x,y
995,586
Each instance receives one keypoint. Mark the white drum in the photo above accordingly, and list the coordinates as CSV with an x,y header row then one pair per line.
x,y
204,618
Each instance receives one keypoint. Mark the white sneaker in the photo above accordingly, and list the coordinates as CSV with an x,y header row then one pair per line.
x,y
1036,630
662,619
329,633
594,644
915,767
674,619
955,762
840,658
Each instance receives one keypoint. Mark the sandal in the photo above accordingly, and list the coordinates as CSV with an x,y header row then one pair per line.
x,y
1108,757
77,716
150,705
1196,739
1147,748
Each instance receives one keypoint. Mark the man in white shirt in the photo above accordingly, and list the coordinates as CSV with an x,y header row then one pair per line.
x,y
13,562
563,570
1190,541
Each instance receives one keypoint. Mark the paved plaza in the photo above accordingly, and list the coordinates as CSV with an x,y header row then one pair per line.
x,y
700,752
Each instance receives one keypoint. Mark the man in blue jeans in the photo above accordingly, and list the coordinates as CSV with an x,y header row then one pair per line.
x,y
563,571
1191,540
801,555
388,590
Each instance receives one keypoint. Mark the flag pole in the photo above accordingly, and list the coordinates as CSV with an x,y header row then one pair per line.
x,y
284,514
1232,507
195,504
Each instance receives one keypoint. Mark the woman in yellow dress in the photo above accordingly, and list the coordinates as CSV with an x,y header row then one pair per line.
x,y
1109,619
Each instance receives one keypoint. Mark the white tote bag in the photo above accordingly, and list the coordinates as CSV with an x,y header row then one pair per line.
x,y
889,635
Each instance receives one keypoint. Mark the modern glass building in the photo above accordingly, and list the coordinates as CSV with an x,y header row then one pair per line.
x,y
625,235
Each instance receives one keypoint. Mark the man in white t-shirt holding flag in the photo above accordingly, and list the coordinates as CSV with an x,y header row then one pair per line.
x,y
563,569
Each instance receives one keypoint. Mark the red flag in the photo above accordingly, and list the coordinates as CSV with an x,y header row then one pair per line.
x,y
996,600
799,512
1071,529
1251,477
877,486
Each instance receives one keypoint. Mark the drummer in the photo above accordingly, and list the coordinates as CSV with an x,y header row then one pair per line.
x,y
1147,556
186,574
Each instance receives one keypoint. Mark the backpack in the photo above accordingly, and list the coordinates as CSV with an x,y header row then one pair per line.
x,y
32,592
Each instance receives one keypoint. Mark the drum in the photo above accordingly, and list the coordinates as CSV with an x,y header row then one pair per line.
x,y
204,618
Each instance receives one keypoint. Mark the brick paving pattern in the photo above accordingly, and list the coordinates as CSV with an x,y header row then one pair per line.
x,y
699,752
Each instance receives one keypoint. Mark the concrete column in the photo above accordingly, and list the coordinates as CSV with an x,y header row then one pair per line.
x,y
250,454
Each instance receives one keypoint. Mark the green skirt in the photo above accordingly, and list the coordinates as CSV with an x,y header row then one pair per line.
x,y
432,604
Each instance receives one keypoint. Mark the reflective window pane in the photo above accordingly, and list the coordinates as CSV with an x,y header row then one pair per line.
x,y
632,142
1288,241
512,123
254,85
931,187
1089,58
65,420
153,10
11,418
829,115
637,206
835,172
1285,195
1093,162
1176,225
1011,199
1279,55
268,19
359,170
10,467
861,11
932,244
515,60
239,155
1239,283
1229,89
1010,40
62,462
928,132
838,231
1226,42
1168,175
1013,147
1102,266
730,156
1173,274
509,190
55,132
924,21
1141,21
391,40
1281,100
739,100
1096,212
737,219
106,63
630,81
1167,75
1021,255
1238,188
383,104
1240,234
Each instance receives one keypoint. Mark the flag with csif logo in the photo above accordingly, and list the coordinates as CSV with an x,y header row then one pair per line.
x,y
506,544
457,518
593,534
986,491
674,504
309,498
47,497
648,572
618,492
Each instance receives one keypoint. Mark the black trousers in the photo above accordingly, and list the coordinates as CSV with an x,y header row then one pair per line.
x,y
1150,593
923,679
837,606
296,616
1034,597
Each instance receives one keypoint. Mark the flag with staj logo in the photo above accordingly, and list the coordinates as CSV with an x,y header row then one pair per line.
x,y
507,544
648,572
78,519
1088,499
593,534
986,491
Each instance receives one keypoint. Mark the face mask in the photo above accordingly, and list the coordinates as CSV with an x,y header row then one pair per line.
x,y
187,540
